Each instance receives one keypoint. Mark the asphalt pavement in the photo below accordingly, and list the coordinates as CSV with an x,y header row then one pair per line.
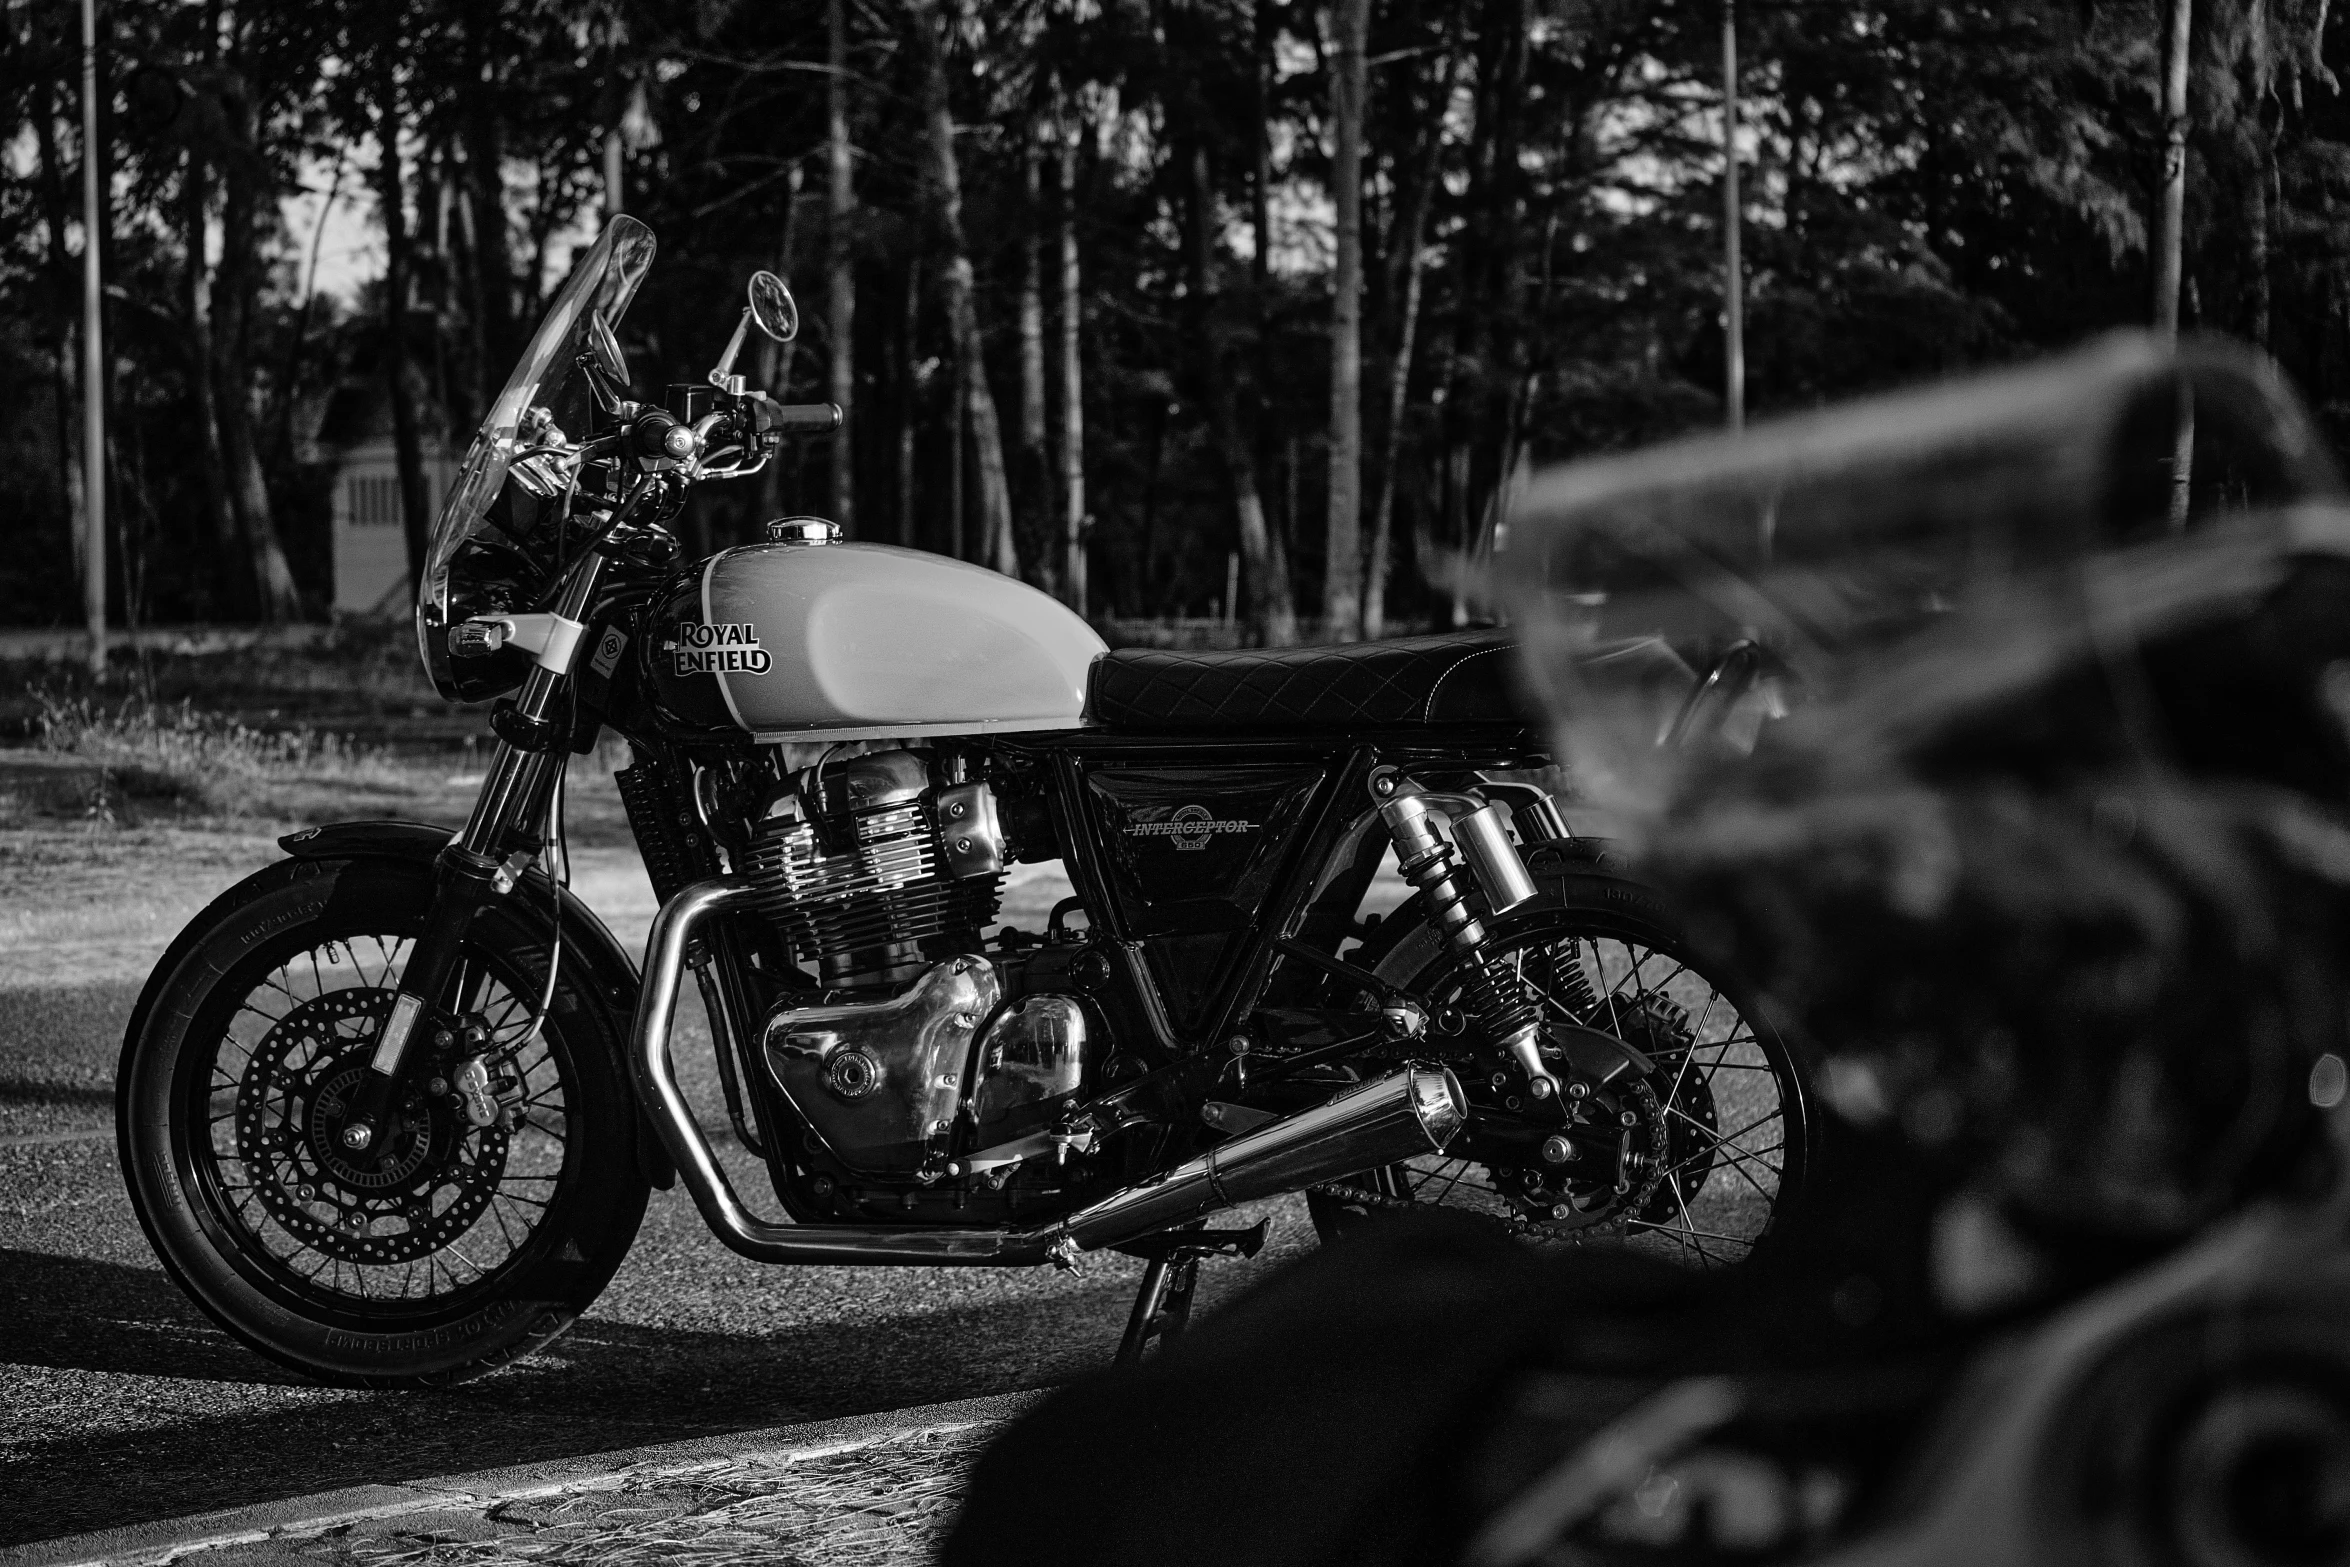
x,y
121,1402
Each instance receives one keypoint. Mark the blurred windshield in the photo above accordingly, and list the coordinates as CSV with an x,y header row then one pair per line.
x,y
479,523
1827,537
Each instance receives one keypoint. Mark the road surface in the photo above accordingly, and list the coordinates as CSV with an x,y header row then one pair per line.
x,y
119,1401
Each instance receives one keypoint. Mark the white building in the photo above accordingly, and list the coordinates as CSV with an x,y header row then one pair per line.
x,y
370,552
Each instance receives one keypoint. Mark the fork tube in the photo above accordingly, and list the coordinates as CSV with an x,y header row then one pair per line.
x,y
466,873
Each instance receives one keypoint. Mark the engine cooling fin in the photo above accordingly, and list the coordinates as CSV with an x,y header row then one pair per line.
x,y
865,892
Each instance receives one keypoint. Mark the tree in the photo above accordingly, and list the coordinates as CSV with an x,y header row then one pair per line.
x,y
2170,236
398,370
1342,586
957,286
1215,377
841,265
1074,521
1035,485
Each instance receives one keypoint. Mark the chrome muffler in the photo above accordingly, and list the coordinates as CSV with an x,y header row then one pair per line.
x,y
1405,1115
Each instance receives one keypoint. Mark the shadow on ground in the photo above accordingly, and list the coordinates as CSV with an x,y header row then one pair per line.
x,y
603,1385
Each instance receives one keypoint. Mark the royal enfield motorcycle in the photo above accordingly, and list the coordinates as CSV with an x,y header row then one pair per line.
x,y
390,1109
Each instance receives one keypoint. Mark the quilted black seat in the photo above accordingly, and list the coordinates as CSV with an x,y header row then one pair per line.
x,y
1461,677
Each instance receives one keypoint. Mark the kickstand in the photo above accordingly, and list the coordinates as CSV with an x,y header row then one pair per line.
x,y
1162,1307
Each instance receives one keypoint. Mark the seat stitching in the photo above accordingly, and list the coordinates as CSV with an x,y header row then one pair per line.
x,y
1428,713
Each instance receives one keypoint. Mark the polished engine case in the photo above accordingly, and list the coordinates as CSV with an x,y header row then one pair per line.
x,y
863,641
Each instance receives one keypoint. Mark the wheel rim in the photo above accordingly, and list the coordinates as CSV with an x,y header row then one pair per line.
x,y
1730,1143
440,1208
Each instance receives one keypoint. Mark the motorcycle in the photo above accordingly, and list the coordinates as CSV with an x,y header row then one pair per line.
x,y
391,1109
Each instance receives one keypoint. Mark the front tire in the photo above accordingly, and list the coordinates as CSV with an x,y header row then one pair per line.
x,y
465,1239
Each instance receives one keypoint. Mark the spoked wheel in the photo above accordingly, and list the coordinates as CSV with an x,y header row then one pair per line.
x,y
399,1222
494,1202
1699,1158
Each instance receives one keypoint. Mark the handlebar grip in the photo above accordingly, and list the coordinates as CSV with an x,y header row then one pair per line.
x,y
770,417
659,433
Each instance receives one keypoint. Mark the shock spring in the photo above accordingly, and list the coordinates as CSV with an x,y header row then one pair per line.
x,y
1493,992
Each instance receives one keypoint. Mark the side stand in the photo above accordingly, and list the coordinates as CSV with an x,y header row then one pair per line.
x,y
1162,1307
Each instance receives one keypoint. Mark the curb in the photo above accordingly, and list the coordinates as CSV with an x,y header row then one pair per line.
x,y
166,1540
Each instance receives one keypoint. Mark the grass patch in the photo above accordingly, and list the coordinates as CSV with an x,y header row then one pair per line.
x,y
359,679
141,758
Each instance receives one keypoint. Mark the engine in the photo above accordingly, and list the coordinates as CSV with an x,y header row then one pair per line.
x,y
872,873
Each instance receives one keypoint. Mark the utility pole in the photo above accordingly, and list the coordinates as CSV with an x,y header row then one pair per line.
x,y
1733,274
93,351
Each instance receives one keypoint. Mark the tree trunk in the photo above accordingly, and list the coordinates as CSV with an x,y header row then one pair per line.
x,y
1272,612
212,468
2168,237
399,375
1399,375
2258,216
841,271
1073,567
1260,184
1476,408
244,176
1342,582
1036,485
2170,241
775,359
498,331
909,398
64,309
957,282
1405,249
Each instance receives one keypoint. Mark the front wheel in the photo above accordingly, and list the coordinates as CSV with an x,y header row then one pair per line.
x,y
499,1196
1701,1159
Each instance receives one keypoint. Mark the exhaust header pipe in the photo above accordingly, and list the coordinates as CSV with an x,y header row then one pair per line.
x,y
1404,1115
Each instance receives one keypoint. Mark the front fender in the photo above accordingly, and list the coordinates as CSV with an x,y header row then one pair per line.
x,y
613,981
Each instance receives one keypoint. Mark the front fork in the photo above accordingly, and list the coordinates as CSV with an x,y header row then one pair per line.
x,y
533,749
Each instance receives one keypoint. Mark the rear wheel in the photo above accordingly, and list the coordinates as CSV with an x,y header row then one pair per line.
x,y
498,1197
1700,1158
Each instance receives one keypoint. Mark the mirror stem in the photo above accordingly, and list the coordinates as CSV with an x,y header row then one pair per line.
x,y
734,346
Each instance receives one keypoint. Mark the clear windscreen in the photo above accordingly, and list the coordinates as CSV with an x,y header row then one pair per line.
x,y
483,534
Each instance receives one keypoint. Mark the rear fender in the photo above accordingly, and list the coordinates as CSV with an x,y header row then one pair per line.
x,y
611,971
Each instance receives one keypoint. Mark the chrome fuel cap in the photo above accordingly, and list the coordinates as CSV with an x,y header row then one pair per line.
x,y
803,530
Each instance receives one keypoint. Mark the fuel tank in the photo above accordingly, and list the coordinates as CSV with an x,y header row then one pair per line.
x,y
799,641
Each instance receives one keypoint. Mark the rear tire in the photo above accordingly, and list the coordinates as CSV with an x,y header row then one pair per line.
x,y
1732,1100
460,1247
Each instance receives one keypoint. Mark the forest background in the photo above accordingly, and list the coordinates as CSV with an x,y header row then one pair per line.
x,y
1141,300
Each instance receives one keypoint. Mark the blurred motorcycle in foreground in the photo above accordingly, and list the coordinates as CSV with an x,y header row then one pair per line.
x,y
2051,863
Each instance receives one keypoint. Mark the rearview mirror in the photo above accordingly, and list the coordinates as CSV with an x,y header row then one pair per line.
x,y
772,307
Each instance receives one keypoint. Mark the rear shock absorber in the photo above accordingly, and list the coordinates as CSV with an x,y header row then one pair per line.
x,y
1494,993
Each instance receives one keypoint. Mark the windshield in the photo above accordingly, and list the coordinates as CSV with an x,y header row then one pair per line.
x,y
490,545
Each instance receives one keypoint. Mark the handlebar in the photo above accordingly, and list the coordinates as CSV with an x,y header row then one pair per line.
x,y
769,417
